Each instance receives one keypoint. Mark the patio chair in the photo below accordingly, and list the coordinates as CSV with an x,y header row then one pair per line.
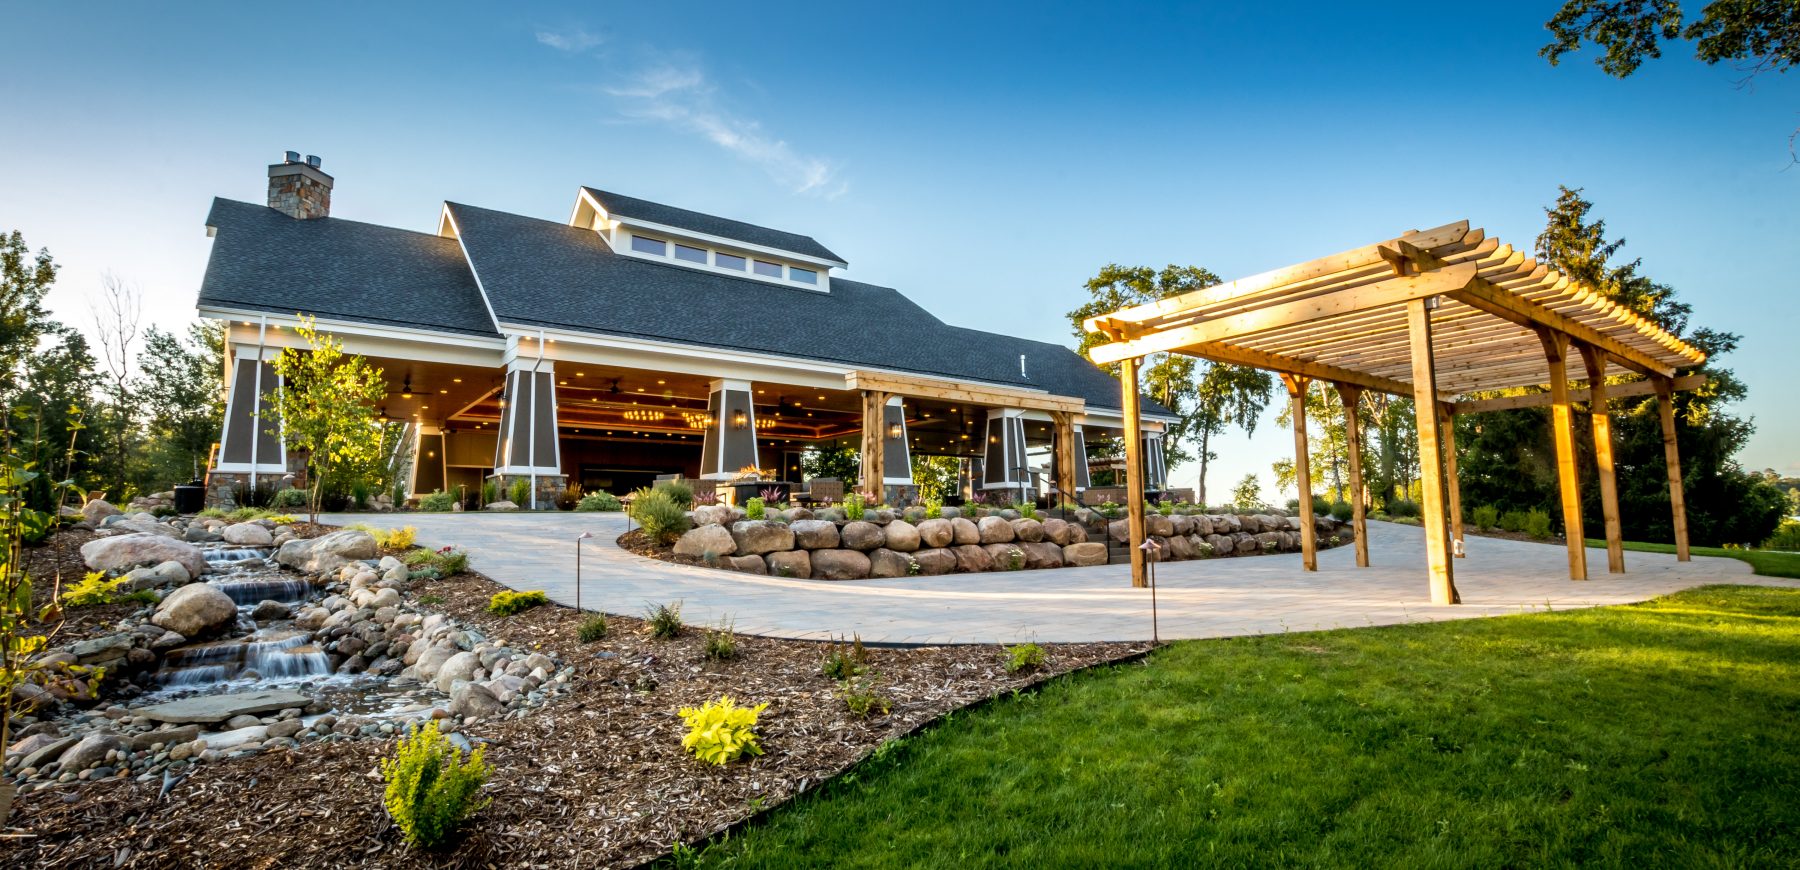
x,y
821,490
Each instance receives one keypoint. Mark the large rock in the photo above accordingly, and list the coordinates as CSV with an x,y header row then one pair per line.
x,y
501,505
47,752
196,610
1078,534
964,531
796,564
714,514
92,750
1057,531
1007,557
887,563
747,564
458,667
474,699
995,530
839,565
247,534
103,650
936,533
1028,530
902,536
1119,530
706,541
1042,554
327,552
427,665
860,535
1158,525
218,708
166,736
143,524
815,534
98,510
972,558
935,560
1084,555
755,537
124,552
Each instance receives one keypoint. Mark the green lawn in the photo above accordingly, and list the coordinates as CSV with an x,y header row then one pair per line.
x,y
1769,563
1663,734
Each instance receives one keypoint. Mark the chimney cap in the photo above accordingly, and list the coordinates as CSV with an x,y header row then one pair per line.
x,y
292,156
313,160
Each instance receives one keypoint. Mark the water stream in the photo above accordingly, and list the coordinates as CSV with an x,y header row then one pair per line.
x,y
274,653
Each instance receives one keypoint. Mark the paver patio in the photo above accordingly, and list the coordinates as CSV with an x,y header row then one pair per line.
x,y
1202,598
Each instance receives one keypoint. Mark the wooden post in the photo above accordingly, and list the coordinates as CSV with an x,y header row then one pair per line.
x,y
1350,395
1065,455
1447,425
1665,409
1297,387
1134,467
1595,362
874,445
1562,426
1431,470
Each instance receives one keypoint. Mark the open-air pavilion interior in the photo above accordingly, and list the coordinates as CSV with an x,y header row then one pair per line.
x,y
1436,316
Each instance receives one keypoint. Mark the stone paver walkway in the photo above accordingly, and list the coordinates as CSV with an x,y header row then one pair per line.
x,y
1204,598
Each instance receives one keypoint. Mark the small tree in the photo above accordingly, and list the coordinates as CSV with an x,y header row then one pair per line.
x,y
1248,492
326,406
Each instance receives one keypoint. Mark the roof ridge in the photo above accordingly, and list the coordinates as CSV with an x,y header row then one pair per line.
x,y
333,219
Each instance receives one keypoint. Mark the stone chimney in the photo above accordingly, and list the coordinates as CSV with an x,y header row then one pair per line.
x,y
298,189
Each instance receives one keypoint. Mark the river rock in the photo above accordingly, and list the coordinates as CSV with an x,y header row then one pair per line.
x,y
796,564
98,510
474,699
936,533
501,505
92,750
935,560
708,541
247,534
995,530
269,611
754,537
860,535
840,564
887,563
141,523
196,610
218,708
168,737
243,720
459,667
902,536
286,728
1084,555
327,553
124,552
103,650
815,534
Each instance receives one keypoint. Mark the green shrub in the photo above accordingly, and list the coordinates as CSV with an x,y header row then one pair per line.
x,y
162,511
753,509
289,497
415,558
721,642
843,662
863,697
1537,524
490,491
853,506
720,732
509,603
1015,559
1401,507
431,599
662,518
520,493
599,501
1026,509
678,492
934,509
430,788
1786,537
1321,505
592,628
1025,657
215,513
1513,521
437,502
1342,511
244,514
663,621
93,590
1485,517
450,561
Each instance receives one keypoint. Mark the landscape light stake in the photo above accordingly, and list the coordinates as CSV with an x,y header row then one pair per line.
x,y
578,539
1151,548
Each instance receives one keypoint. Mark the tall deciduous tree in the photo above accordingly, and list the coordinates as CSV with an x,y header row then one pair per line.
x,y
327,406
24,279
178,392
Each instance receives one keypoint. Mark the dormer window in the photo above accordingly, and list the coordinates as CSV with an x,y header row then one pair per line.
x,y
804,276
768,269
644,245
689,253
729,261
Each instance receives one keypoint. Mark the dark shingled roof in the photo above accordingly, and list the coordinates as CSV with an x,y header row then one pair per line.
x,y
712,225
263,260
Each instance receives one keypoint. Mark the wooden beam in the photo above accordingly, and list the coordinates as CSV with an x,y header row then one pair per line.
x,y
1452,486
1297,387
1579,394
979,394
1134,467
1601,416
1335,304
1226,353
1562,425
1511,306
1665,410
1441,574
1351,397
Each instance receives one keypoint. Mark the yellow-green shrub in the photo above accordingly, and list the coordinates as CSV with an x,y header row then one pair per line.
x,y
396,539
663,519
430,788
509,603
720,732
94,589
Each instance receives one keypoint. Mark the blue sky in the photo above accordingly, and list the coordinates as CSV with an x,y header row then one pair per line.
x,y
984,159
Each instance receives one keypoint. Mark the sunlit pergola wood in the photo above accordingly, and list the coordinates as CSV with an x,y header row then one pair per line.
x,y
1297,387
1665,410
1452,489
1066,445
874,452
1359,512
1433,315
1601,418
1134,467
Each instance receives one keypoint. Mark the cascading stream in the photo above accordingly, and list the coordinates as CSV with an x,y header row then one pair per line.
x,y
275,653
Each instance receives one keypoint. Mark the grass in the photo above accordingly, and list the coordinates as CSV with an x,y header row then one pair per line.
x,y
1768,563
1659,734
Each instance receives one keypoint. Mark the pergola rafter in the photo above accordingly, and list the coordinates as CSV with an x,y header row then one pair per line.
x,y
1432,315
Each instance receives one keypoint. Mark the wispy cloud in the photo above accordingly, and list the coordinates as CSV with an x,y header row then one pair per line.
x,y
573,40
679,93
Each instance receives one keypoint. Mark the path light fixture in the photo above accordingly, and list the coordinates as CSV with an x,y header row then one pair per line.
x,y
1150,548
578,539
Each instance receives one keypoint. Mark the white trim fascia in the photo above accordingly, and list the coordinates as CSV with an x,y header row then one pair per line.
x,y
473,272
350,327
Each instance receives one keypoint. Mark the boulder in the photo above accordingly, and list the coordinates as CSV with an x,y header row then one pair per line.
x,y
1027,530
1158,525
327,553
286,728
461,666
429,662
902,536
1078,534
995,530
104,651
218,708
196,610
706,541
1007,557
269,611
935,560
1180,548
1084,555
242,721
501,505
1119,530
815,534
840,564
92,750
98,510
964,531
972,558
124,552
1249,524
936,533
474,699
166,736
1056,531
1202,525
144,524
46,753
796,564
1041,554
861,535
711,514
755,537
172,573
747,564
1244,543
247,534
888,563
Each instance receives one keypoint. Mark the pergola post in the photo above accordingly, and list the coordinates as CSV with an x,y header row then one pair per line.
x,y
873,448
1066,482
1665,409
1601,415
1453,489
1431,470
1562,426
1350,396
1297,387
1134,467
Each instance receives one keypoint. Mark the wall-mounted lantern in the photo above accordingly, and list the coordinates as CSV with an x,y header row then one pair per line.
x,y
894,430
739,420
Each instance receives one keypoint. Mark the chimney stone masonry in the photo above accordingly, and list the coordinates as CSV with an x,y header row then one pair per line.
x,y
299,189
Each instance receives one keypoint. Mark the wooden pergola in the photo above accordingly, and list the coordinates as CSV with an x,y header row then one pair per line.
x,y
1432,315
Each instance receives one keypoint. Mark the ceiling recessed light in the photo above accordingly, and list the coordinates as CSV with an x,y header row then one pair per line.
x,y
456,380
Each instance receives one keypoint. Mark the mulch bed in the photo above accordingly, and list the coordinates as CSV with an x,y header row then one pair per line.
x,y
595,778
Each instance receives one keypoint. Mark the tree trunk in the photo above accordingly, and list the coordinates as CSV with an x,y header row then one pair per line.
x,y
1200,491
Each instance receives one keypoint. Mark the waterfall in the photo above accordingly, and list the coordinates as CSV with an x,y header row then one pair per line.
x,y
288,657
233,555
248,593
